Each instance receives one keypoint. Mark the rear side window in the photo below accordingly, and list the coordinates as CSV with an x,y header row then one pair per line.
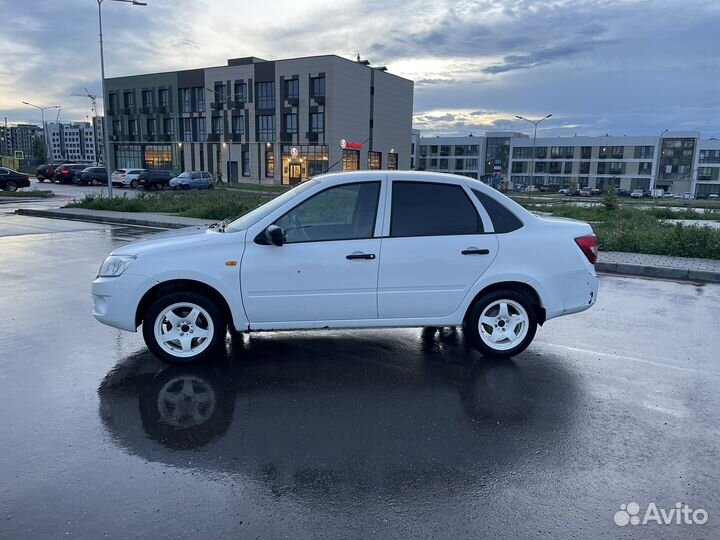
x,y
503,220
427,209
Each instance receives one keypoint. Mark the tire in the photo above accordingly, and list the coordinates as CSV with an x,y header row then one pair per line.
x,y
210,186
517,317
133,184
95,182
10,185
40,179
178,307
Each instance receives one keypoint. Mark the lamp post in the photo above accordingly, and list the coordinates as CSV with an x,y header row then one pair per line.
x,y
229,145
659,160
535,125
106,136
42,116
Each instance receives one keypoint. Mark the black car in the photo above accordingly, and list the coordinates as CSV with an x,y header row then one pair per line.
x,y
622,193
11,180
148,179
65,174
45,172
91,175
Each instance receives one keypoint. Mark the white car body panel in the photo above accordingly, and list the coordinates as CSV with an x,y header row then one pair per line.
x,y
417,281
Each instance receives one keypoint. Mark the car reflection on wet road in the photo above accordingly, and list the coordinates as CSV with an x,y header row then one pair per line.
x,y
349,434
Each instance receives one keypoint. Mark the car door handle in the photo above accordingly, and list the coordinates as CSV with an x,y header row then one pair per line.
x,y
475,251
354,256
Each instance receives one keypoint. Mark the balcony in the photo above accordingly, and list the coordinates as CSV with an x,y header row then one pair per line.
x,y
144,110
236,137
150,137
320,100
128,110
214,137
131,137
168,137
217,105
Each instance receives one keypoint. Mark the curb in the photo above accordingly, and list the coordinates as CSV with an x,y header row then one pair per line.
x,y
119,220
663,272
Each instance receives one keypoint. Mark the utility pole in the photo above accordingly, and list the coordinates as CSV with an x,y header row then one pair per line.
x,y
532,162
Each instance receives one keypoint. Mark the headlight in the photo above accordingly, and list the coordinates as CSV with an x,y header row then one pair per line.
x,y
115,265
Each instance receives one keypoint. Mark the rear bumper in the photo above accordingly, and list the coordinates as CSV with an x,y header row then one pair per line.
x,y
573,292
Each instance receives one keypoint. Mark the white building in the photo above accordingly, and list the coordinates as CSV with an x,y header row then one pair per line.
x,y
708,173
72,142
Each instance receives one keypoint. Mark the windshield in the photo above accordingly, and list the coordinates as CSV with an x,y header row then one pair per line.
x,y
184,175
251,218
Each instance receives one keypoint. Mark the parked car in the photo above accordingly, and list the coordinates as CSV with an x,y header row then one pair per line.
x,y
151,179
125,177
312,258
531,189
595,192
563,191
585,192
573,192
637,194
713,196
11,180
45,172
92,175
667,195
688,196
192,180
622,193
65,174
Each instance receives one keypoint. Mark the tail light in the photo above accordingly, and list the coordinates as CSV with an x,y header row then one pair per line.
x,y
65,172
122,175
589,246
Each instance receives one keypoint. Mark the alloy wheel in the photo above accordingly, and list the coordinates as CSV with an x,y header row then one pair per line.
x,y
503,324
184,330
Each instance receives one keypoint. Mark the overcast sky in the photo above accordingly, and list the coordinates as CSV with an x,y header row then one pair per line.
x,y
624,67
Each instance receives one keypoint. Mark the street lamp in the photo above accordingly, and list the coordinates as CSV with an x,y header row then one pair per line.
x,y
106,136
42,116
535,125
229,146
659,162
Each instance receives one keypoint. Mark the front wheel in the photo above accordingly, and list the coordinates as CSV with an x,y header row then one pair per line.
x,y
40,179
184,327
10,185
501,324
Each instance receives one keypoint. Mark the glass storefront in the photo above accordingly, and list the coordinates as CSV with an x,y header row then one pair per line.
x,y
151,156
308,161
351,160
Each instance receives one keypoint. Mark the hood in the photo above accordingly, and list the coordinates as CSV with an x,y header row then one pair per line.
x,y
170,240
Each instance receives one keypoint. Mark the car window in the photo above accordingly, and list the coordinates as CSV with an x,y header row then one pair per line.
x,y
429,209
206,175
4,171
342,212
503,220
195,176
119,171
184,175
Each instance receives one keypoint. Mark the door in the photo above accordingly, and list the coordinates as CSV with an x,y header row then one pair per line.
x,y
295,173
327,269
436,249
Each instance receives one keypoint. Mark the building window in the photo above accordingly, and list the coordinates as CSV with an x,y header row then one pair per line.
x,y
129,100
265,96
220,93
218,124
554,167
443,164
238,125
392,161
433,149
541,152
584,167
585,152
245,163
132,127
200,129
567,168
185,100
374,160
269,162
240,92
169,126
444,150
199,95
265,127
164,97
186,125
152,126
317,86
317,122
292,88
290,121
351,160
113,101
116,128
423,150
644,152
522,152
460,150
147,98
645,167
433,163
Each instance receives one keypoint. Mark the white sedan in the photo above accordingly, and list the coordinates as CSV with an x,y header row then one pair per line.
x,y
355,250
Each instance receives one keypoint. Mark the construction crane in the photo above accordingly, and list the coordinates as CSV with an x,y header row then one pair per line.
x,y
93,100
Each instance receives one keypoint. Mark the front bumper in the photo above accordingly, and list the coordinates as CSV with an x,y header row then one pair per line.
x,y
115,300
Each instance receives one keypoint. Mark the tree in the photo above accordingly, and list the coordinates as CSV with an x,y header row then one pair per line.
x,y
38,150
610,199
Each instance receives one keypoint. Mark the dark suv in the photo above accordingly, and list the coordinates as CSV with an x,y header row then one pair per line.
x,y
154,179
45,172
65,174
91,175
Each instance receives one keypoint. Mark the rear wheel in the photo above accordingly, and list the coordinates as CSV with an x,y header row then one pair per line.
x,y
184,327
40,179
10,185
133,184
501,324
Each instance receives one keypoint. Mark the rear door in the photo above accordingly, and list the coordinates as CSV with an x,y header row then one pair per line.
x,y
436,245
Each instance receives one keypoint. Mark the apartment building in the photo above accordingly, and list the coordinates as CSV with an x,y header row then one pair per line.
x,y
74,141
275,122
20,137
708,168
486,157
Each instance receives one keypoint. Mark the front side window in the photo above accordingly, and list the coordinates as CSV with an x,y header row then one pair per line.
x,y
345,212
428,209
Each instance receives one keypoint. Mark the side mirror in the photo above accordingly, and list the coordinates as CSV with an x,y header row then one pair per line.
x,y
275,235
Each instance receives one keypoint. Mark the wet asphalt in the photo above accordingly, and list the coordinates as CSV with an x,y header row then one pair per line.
x,y
352,434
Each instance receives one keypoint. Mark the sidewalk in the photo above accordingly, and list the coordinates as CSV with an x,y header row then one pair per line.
x,y
614,262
